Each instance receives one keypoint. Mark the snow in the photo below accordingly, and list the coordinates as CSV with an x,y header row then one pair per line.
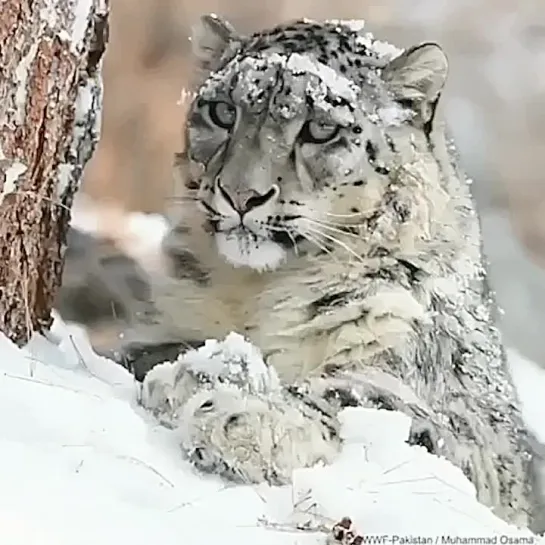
x,y
355,25
65,178
86,132
48,13
12,174
215,355
383,50
21,73
393,116
234,357
82,12
82,462
337,84
186,97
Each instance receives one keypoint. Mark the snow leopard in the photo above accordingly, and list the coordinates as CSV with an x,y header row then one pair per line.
x,y
322,213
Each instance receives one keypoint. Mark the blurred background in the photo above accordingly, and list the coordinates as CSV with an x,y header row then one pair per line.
x,y
494,103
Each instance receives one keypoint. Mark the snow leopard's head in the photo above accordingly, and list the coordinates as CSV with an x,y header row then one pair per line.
x,y
300,138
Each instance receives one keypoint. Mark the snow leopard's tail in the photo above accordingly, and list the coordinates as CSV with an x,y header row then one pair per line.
x,y
103,280
109,260
99,281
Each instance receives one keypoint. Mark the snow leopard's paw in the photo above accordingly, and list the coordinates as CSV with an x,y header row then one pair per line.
x,y
232,361
250,438
158,393
390,315
168,387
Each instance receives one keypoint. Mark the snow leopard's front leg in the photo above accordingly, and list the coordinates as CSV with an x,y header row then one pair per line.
x,y
487,455
388,317
346,331
233,417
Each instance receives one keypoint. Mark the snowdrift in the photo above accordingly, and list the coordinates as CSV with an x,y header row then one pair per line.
x,y
83,463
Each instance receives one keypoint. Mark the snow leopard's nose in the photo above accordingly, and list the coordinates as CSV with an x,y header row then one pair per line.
x,y
243,200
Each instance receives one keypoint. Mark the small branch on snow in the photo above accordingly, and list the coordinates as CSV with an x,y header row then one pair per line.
x,y
341,533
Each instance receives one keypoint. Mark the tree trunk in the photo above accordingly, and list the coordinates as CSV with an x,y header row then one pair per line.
x,y
50,112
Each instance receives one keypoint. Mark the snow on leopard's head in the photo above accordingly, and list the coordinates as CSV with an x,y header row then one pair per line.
x,y
300,139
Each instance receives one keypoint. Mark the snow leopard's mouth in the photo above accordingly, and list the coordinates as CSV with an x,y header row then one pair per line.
x,y
243,247
258,245
248,234
245,237
287,238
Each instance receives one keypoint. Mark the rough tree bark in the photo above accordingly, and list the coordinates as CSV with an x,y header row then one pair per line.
x,y
50,111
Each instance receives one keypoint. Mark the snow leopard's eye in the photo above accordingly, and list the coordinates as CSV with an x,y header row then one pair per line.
x,y
314,132
222,114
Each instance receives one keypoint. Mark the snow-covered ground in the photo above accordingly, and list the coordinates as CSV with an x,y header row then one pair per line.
x,y
82,463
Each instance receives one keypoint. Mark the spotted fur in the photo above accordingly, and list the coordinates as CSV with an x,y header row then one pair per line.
x,y
236,419
324,216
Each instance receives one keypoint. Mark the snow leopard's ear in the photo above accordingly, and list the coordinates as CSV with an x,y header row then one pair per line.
x,y
416,79
213,41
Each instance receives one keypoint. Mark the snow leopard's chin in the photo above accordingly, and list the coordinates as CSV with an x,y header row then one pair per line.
x,y
242,248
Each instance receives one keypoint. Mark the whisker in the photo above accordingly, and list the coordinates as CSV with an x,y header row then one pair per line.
x,y
330,227
285,229
338,242
292,238
346,224
291,231
340,224
313,240
353,215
